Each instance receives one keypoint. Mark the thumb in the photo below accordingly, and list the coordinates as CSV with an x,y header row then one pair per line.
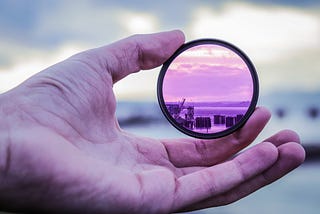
x,y
138,52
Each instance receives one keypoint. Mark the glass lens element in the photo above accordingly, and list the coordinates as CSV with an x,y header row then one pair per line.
x,y
207,88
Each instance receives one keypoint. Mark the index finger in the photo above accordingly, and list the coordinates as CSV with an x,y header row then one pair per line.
x,y
195,152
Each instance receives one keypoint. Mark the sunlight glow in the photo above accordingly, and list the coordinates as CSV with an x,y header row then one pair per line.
x,y
265,33
138,22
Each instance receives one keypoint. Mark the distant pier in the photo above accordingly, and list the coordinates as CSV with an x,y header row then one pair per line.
x,y
185,116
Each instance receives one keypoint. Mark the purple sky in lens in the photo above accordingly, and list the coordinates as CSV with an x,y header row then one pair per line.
x,y
208,73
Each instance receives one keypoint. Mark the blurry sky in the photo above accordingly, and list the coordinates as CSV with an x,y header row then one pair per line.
x,y
282,38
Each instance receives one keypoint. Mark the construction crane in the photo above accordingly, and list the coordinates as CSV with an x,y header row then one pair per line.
x,y
181,105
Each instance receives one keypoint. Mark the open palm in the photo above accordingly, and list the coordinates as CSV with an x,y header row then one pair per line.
x,y
62,150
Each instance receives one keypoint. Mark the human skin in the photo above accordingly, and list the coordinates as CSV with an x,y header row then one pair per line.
x,y
62,150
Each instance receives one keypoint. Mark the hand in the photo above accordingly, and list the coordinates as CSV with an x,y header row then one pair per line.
x,y
61,148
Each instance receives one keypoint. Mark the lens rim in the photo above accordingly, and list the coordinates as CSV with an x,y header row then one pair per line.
x,y
253,102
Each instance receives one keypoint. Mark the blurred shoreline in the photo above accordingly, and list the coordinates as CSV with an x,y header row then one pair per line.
x,y
312,149
289,110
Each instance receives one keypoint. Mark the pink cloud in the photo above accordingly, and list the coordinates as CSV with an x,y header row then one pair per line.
x,y
208,73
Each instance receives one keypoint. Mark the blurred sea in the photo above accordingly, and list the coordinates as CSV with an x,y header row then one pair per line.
x,y
296,193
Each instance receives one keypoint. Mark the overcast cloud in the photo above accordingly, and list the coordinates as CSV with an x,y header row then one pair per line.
x,y
282,38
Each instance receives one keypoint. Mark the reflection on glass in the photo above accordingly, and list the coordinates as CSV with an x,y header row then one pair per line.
x,y
207,88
